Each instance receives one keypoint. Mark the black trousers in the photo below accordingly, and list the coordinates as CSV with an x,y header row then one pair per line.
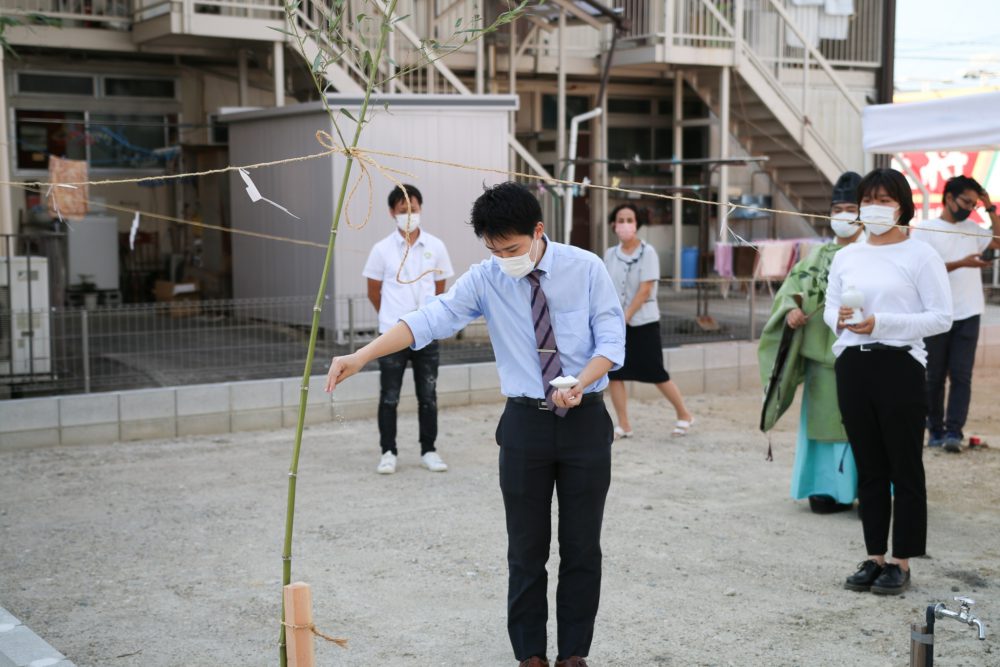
x,y
539,450
883,401
425,373
951,356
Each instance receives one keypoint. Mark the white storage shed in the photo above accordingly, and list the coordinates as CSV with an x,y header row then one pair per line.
x,y
469,130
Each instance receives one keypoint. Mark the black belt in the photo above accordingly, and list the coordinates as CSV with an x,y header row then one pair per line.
x,y
540,404
875,347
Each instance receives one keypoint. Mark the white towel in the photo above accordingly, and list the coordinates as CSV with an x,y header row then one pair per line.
x,y
833,27
806,19
839,7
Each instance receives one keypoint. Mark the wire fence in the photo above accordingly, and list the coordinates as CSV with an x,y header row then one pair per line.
x,y
134,346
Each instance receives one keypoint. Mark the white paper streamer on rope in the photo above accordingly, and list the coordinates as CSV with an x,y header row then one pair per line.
x,y
255,195
55,200
132,232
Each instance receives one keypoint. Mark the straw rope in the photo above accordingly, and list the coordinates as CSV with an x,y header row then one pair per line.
x,y
311,627
365,161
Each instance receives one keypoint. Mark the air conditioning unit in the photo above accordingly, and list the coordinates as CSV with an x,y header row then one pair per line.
x,y
25,327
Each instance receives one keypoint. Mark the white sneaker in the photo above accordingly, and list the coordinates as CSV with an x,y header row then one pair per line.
x,y
387,465
433,462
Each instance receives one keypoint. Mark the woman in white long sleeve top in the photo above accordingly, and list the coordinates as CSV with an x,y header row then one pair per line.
x,y
881,372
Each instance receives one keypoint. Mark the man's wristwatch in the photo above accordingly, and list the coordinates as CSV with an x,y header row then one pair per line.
x,y
992,208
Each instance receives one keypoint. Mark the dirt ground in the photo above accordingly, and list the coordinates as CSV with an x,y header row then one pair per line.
x,y
168,552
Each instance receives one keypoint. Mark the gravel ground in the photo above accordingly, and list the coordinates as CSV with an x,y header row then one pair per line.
x,y
168,552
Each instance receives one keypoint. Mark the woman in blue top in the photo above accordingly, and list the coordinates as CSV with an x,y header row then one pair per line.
x,y
635,269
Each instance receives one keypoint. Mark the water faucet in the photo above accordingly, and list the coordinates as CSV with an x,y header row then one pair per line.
x,y
963,615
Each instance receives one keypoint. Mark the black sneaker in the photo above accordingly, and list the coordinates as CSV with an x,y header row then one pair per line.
x,y
827,505
952,443
863,579
893,580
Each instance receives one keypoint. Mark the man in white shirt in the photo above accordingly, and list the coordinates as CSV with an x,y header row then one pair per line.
x,y
395,288
951,355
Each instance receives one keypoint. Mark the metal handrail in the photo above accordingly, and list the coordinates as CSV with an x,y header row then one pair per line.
x,y
815,54
800,115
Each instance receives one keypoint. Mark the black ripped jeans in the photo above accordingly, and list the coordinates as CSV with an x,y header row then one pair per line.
x,y
425,373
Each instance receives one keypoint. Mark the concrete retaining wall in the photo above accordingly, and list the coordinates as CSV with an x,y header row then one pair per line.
x,y
271,404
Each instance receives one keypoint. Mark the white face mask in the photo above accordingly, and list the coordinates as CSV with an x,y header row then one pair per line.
x,y
519,266
414,219
843,224
877,213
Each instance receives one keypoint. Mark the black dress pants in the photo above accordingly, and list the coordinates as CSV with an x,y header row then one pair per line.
x,y
883,401
425,374
539,451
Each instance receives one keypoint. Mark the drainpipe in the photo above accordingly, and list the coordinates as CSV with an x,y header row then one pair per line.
x,y
574,130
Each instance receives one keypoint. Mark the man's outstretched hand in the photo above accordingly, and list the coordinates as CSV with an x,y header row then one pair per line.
x,y
342,368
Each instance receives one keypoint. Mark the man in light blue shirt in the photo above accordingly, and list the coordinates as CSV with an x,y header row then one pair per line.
x,y
551,311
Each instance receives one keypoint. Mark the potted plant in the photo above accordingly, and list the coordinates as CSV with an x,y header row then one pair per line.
x,y
89,290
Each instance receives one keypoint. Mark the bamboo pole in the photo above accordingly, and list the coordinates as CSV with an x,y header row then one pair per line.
x,y
299,620
286,553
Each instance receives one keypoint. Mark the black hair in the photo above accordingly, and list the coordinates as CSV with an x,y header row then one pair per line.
x,y
895,185
621,207
397,195
506,209
956,185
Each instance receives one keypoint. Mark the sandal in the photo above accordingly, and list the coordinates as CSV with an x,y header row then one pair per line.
x,y
682,426
622,433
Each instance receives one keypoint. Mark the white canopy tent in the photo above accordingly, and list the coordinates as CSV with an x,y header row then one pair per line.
x,y
960,123
965,123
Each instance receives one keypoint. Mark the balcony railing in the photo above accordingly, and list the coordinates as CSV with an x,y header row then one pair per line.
x,y
706,24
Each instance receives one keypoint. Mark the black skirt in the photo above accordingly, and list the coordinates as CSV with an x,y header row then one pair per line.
x,y
643,355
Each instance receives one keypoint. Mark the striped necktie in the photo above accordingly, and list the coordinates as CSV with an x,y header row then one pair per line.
x,y
545,337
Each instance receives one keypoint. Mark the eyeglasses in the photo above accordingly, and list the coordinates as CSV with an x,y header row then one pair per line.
x,y
964,203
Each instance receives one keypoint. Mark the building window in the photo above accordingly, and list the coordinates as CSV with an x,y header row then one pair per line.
x,y
575,105
43,133
55,84
630,105
126,141
105,141
129,87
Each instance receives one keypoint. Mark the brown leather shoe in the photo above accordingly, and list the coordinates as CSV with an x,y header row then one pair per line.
x,y
572,661
535,661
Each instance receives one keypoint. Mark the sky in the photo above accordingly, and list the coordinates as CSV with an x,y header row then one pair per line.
x,y
940,42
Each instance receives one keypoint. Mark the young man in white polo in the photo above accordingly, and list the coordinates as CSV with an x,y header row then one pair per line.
x,y
394,292
951,355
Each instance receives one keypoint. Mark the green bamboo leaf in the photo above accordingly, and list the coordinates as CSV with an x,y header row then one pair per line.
x,y
317,65
399,18
458,23
348,114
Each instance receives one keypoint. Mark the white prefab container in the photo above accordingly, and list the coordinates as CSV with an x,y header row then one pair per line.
x,y
462,129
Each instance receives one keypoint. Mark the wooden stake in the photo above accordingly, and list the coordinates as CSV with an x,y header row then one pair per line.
x,y
298,629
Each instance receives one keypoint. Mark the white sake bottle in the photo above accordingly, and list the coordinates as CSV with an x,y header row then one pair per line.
x,y
854,299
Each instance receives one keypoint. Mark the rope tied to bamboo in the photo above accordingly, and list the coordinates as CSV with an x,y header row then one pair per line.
x,y
364,161
311,627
